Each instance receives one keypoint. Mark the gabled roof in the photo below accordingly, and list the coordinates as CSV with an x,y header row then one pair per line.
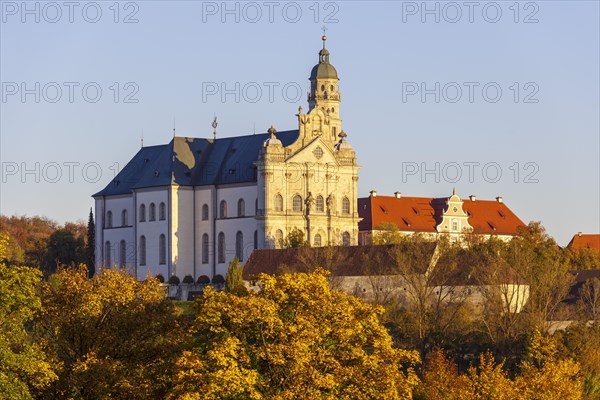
x,y
462,269
193,162
585,241
423,214
340,260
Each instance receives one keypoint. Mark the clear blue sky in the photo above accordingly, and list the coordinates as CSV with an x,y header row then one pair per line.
x,y
386,53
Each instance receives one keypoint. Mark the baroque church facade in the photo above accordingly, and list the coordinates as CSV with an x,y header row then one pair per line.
x,y
191,206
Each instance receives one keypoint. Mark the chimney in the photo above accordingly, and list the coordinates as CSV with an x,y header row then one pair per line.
x,y
373,193
473,197
579,234
397,194
499,199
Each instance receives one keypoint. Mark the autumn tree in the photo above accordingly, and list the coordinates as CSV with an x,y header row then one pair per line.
x,y
28,239
386,233
295,339
536,257
113,336
544,375
24,367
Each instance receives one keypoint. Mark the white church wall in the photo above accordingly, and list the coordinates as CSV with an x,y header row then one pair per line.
x,y
116,232
182,232
204,196
246,224
152,230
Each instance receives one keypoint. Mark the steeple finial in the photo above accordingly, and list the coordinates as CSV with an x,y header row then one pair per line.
x,y
142,137
324,37
214,125
173,126
454,192
272,131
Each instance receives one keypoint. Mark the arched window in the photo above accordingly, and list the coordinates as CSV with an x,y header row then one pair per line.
x,y
454,225
221,249
142,250
162,250
109,219
107,254
239,246
322,88
124,219
278,238
317,240
320,204
223,209
297,203
241,208
205,212
333,110
255,240
162,212
331,88
278,203
345,239
345,205
325,95
142,212
152,216
123,253
205,249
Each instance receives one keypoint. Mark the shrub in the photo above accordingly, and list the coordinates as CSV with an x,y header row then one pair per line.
x,y
218,279
203,280
160,278
188,279
174,280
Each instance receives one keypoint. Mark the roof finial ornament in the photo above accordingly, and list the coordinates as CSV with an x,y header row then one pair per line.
x,y
454,191
173,126
272,131
324,36
142,138
214,125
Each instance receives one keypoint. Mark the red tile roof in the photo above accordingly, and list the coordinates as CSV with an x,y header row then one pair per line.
x,y
423,214
585,241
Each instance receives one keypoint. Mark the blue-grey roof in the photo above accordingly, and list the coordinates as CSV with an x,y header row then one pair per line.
x,y
193,162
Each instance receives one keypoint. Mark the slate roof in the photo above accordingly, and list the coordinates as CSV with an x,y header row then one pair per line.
x,y
193,162
423,214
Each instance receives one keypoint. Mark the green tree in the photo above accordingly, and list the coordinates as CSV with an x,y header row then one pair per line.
x,y
64,248
90,252
24,367
293,240
234,282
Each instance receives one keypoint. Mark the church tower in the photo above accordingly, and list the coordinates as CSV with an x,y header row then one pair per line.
x,y
310,184
324,94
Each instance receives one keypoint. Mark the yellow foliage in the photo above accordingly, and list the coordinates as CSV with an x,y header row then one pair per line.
x,y
296,339
115,337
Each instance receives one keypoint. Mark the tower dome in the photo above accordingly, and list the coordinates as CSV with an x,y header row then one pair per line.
x,y
323,70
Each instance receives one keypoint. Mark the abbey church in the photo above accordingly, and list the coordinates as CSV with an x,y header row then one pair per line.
x,y
190,206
